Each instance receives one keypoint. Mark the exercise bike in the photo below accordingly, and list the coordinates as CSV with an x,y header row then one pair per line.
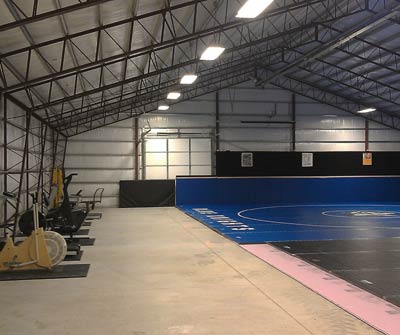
x,y
63,219
41,250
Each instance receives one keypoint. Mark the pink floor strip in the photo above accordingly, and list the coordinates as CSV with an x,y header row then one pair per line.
x,y
375,311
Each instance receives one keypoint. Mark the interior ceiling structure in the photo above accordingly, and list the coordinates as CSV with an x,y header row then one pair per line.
x,y
80,65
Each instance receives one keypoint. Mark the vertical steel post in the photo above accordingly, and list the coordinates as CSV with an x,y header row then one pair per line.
x,y
54,154
294,122
217,120
21,179
366,135
137,142
5,158
43,135
27,166
65,152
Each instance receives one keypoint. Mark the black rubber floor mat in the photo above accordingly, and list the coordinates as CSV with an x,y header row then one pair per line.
x,y
74,257
58,272
371,264
80,232
94,216
85,241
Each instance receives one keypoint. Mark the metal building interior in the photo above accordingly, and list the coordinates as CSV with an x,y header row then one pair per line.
x,y
85,87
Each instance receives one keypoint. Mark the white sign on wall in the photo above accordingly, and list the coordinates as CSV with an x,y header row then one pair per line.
x,y
307,159
247,159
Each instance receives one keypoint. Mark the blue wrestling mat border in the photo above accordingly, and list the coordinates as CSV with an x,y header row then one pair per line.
x,y
301,223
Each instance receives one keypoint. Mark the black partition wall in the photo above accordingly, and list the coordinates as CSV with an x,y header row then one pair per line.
x,y
228,164
146,193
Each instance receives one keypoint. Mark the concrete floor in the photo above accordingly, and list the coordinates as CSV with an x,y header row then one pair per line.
x,y
157,271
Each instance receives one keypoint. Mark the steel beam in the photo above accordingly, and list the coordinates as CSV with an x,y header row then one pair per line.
x,y
181,65
50,14
338,40
155,46
331,98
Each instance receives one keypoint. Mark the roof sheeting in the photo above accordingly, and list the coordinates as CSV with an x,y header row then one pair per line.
x,y
85,67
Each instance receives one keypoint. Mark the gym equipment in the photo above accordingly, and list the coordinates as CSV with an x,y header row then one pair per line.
x,y
41,250
97,197
62,219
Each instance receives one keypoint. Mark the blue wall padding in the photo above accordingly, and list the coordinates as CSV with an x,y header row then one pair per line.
x,y
298,190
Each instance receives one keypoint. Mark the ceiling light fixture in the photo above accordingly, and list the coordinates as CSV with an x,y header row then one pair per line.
x,y
212,53
367,110
173,95
163,107
253,8
188,79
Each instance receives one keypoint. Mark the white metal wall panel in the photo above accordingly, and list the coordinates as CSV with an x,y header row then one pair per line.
x,y
200,144
156,158
174,171
96,162
330,147
323,135
102,158
318,128
156,145
94,176
382,135
200,158
112,133
255,146
89,189
100,148
178,158
174,157
384,147
178,144
156,172
201,170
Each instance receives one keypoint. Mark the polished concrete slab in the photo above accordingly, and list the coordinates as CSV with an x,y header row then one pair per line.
x,y
157,271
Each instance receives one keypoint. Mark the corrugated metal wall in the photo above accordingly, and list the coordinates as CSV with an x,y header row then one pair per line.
x,y
103,157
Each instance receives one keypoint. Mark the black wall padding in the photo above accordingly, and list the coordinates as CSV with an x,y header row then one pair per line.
x,y
325,164
146,193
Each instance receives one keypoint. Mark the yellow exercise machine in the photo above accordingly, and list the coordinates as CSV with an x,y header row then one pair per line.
x,y
41,250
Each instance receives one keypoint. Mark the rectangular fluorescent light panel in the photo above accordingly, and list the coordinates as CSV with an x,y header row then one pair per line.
x,y
188,79
163,107
253,8
212,53
173,95
367,110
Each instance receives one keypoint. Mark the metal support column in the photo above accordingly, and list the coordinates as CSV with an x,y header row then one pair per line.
x,y
217,121
21,179
366,135
5,158
293,122
43,138
137,144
